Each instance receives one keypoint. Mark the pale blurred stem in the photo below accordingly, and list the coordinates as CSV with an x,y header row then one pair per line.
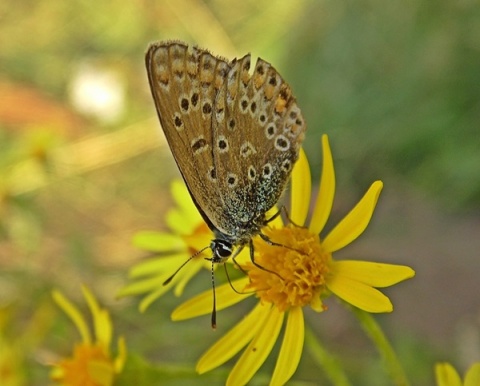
x,y
331,366
374,331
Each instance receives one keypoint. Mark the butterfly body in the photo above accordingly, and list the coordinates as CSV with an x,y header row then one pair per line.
x,y
235,136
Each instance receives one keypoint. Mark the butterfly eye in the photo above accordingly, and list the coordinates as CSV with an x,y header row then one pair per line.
x,y
222,249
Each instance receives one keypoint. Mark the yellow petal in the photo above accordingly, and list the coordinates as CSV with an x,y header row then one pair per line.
x,y
258,349
234,340
355,222
276,222
326,192
301,190
202,303
158,241
189,271
446,375
292,347
199,241
74,314
473,375
317,305
179,223
104,330
101,320
184,201
185,217
359,294
121,356
158,265
143,286
373,274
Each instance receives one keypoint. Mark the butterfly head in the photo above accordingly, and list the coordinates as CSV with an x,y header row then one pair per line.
x,y
222,250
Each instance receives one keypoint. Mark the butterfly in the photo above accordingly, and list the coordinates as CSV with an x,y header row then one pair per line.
x,y
235,137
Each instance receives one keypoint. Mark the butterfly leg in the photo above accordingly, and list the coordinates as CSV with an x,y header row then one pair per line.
x,y
237,252
274,244
252,257
283,209
230,281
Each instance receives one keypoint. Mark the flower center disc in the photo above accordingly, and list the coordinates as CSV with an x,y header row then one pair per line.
x,y
301,265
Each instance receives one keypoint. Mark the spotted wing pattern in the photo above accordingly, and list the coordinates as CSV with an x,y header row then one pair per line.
x,y
258,130
184,82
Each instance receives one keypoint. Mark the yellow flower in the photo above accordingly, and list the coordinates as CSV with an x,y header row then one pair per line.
x,y
306,274
446,375
189,235
91,363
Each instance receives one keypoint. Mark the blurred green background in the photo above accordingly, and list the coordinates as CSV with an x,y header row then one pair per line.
x,y
83,166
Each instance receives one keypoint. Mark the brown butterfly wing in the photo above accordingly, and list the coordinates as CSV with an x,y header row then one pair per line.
x,y
184,82
258,131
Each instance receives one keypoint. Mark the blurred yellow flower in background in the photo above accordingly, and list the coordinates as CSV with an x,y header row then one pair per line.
x,y
446,375
91,363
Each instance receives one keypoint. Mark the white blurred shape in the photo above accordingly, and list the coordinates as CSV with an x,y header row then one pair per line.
x,y
98,91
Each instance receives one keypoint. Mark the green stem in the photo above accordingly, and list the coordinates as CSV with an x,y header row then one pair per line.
x,y
374,331
333,371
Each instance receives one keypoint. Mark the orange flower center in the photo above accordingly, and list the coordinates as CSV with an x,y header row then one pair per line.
x,y
80,370
301,266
